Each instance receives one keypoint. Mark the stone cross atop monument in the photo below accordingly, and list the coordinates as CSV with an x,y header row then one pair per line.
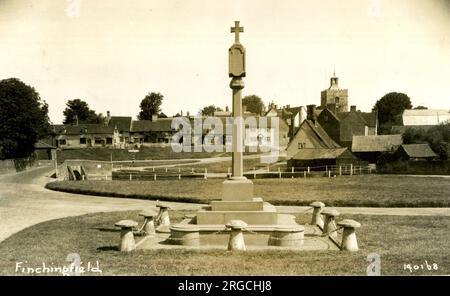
x,y
236,30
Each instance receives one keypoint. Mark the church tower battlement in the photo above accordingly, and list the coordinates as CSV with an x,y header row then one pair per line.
x,y
334,98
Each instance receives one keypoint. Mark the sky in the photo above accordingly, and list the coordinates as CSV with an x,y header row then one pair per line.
x,y
111,53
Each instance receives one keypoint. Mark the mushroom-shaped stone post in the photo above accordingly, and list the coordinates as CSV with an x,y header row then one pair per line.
x,y
349,242
127,242
149,224
330,224
236,241
317,213
163,216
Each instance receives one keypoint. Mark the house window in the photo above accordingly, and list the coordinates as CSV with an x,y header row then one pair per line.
x,y
268,139
98,141
108,140
82,141
121,139
62,142
301,145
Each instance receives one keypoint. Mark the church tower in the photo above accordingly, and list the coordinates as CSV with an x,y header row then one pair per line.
x,y
335,98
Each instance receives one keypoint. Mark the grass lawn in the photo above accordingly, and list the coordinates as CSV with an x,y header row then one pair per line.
x,y
145,153
363,190
223,166
398,239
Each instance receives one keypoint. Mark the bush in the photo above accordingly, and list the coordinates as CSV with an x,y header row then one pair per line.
x,y
415,167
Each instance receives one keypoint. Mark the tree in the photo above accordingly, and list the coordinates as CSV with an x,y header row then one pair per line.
x,y
389,108
253,103
208,110
420,108
23,119
78,111
438,137
150,105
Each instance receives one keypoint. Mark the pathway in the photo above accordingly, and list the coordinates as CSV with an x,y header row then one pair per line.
x,y
24,202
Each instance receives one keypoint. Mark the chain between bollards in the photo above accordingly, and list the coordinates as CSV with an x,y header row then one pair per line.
x,y
329,232
309,208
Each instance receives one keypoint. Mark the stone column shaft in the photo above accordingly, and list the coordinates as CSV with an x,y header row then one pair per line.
x,y
237,84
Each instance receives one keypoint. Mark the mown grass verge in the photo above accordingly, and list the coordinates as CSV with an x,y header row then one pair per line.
x,y
399,240
355,191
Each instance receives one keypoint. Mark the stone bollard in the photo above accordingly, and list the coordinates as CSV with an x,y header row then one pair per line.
x,y
349,242
236,241
163,219
127,243
330,224
149,224
317,213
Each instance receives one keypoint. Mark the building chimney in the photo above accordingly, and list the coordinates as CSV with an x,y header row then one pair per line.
x,y
181,113
302,115
154,117
227,109
353,108
288,106
310,113
107,118
187,113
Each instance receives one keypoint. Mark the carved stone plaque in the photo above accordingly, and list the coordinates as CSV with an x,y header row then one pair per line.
x,y
236,61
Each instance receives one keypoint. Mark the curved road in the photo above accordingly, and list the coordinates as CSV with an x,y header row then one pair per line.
x,y
24,202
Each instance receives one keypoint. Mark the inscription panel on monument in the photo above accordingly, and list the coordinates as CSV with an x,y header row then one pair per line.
x,y
236,61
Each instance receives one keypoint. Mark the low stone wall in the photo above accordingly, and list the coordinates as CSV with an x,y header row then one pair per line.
x,y
93,169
